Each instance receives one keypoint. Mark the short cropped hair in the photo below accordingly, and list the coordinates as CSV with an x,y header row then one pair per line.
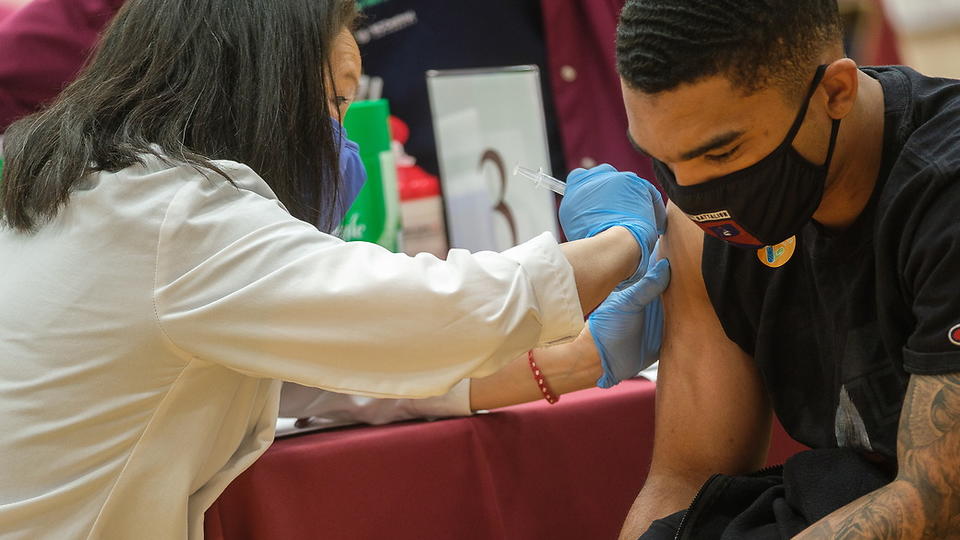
x,y
663,44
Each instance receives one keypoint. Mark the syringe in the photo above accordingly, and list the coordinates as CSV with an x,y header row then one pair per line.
x,y
541,178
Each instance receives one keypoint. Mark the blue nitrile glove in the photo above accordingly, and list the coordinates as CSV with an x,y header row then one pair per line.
x,y
627,328
603,197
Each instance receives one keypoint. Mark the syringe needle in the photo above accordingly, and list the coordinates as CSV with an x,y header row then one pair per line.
x,y
541,178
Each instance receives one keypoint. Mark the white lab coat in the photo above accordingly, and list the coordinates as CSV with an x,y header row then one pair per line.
x,y
332,409
145,330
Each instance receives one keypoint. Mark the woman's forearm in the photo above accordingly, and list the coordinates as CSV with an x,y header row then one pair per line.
x,y
567,368
601,262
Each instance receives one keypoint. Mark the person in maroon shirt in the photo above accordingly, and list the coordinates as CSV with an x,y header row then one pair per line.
x,y
586,87
45,44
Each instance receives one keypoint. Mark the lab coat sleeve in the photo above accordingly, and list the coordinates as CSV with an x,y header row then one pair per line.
x,y
333,409
241,283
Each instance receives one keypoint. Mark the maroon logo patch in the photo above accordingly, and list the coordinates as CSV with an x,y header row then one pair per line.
x,y
954,335
731,231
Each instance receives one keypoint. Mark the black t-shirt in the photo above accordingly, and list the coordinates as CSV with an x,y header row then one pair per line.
x,y
838,329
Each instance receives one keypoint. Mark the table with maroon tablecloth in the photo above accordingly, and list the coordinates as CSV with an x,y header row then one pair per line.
x,y
529,472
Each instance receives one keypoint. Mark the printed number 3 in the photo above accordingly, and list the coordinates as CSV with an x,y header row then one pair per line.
x,y
501,204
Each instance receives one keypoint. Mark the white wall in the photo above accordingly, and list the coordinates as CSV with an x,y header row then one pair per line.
x,y
928,34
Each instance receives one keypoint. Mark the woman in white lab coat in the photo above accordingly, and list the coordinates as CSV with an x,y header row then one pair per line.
x,y
160,273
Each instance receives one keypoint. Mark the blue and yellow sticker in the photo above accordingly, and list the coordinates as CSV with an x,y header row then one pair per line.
x,y
778,255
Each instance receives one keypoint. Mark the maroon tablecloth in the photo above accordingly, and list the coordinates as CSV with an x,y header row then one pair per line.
x,y
530,472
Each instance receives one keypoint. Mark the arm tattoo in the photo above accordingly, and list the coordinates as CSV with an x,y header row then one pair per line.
x,y
928,449
924,500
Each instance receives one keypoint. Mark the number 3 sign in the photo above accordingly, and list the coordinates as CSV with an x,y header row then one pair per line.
x,y
501,208
485,122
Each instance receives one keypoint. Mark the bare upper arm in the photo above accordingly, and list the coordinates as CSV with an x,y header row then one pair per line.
x,y
713,414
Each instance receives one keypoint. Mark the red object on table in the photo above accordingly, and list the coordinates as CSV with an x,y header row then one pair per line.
x,y
529,472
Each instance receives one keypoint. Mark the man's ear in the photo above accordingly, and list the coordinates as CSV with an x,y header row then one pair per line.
x,y
841,82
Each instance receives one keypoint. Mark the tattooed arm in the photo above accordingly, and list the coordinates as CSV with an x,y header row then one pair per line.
x,y
924,500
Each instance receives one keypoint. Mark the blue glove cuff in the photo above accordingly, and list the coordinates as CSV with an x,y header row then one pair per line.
x,y
644,235
608,379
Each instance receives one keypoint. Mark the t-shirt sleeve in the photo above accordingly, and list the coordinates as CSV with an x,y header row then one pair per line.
x,y
932,276
243,284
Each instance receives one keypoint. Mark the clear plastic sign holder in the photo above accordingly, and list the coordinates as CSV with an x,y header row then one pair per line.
x,y
486,121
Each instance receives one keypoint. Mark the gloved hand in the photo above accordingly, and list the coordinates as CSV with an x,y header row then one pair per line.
x,y
627,328
603,197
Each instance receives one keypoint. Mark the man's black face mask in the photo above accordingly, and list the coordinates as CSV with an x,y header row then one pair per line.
x,y
763,204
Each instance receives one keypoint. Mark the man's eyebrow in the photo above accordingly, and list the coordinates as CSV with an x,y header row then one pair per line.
x,y
717,142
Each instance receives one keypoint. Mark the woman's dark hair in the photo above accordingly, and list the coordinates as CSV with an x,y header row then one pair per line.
x,y
662,44
241,80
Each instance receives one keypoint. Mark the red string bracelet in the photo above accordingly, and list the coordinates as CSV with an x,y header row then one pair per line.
x,y
541,381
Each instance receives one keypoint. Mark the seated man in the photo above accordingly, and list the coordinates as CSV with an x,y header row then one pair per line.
x,y
824,284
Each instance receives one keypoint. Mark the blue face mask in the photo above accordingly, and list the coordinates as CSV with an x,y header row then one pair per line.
x,y
352,171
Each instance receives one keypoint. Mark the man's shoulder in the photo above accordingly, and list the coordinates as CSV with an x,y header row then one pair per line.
x,y
928,122
922,150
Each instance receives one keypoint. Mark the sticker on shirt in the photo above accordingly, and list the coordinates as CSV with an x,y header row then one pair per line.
x,y
778,255
954,335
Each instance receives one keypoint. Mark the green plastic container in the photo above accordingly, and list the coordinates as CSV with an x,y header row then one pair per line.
x,y
375,215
